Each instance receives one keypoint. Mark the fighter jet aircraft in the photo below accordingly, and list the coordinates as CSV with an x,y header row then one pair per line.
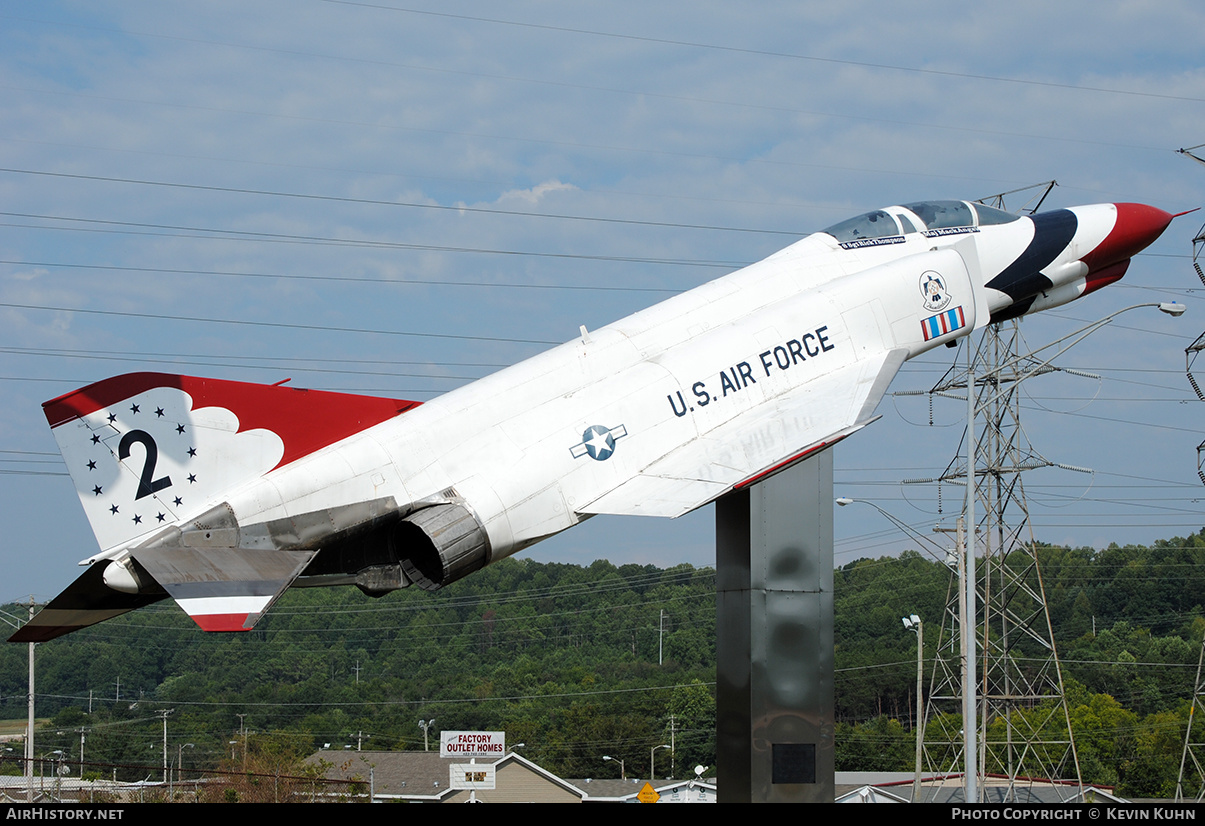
x,y
222,494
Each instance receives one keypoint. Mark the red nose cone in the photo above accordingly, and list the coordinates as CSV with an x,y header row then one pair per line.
x,y
1138,225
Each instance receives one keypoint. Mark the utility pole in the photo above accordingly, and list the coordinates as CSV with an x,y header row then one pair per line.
x,y
12,620
660,635
81,731
243,733
29,727
164,714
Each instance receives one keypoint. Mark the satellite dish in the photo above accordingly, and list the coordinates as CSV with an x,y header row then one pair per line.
x,y
699,770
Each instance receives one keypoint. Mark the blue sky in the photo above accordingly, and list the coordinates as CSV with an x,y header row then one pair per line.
x,y
390,181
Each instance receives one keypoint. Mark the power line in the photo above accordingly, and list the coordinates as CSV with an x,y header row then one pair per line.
x,y
213,233
276,324
765,53
345,279
287,359
407,204
640,93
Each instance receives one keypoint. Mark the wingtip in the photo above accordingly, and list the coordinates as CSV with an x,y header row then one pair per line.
x,y
42,633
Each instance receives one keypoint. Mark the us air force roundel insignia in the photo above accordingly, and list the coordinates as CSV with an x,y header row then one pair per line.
x,y
598,442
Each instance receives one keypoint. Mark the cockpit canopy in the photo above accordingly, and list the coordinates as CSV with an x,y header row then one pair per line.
x,y
928,217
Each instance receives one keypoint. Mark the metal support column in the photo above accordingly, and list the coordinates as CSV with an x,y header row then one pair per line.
x,y
774,640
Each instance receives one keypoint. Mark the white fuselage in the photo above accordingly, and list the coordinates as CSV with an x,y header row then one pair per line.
x,y
221,494
665,376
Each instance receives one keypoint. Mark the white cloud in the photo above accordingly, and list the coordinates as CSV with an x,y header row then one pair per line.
x,y
533,195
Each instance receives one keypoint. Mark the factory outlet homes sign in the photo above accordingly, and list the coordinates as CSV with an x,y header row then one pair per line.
x,y
472,744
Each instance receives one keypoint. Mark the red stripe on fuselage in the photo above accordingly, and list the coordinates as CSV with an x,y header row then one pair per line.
x,y
783,465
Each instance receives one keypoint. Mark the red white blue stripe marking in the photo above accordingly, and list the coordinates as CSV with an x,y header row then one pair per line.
x,y
942,323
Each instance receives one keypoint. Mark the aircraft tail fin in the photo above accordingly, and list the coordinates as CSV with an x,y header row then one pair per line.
x,y
146,450
152,456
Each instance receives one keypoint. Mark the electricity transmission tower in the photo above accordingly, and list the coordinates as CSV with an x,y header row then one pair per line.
x,y
1193,350
1194,751
1022,722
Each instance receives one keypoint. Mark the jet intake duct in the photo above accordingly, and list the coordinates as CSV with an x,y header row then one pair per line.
x,y
441,544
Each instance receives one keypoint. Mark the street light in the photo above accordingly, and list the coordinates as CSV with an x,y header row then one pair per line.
x,y
180,747
623,774
425,725
913,624
58,754
843,501
652,752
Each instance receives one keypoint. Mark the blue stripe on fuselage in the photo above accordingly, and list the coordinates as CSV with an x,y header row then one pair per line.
x,y
1023,278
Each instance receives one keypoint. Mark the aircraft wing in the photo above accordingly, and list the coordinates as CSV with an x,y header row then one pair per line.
x,y
85,602
757,443
222,589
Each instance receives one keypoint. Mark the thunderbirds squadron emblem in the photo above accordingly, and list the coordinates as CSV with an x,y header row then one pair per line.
x,y
933,290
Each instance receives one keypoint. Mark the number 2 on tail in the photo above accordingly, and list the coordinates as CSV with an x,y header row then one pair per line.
x,y
145,486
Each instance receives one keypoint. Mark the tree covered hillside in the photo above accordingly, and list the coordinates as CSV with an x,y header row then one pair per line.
x,y
578,663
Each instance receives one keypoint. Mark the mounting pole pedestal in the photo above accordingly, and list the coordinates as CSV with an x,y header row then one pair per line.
x,y
774,638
